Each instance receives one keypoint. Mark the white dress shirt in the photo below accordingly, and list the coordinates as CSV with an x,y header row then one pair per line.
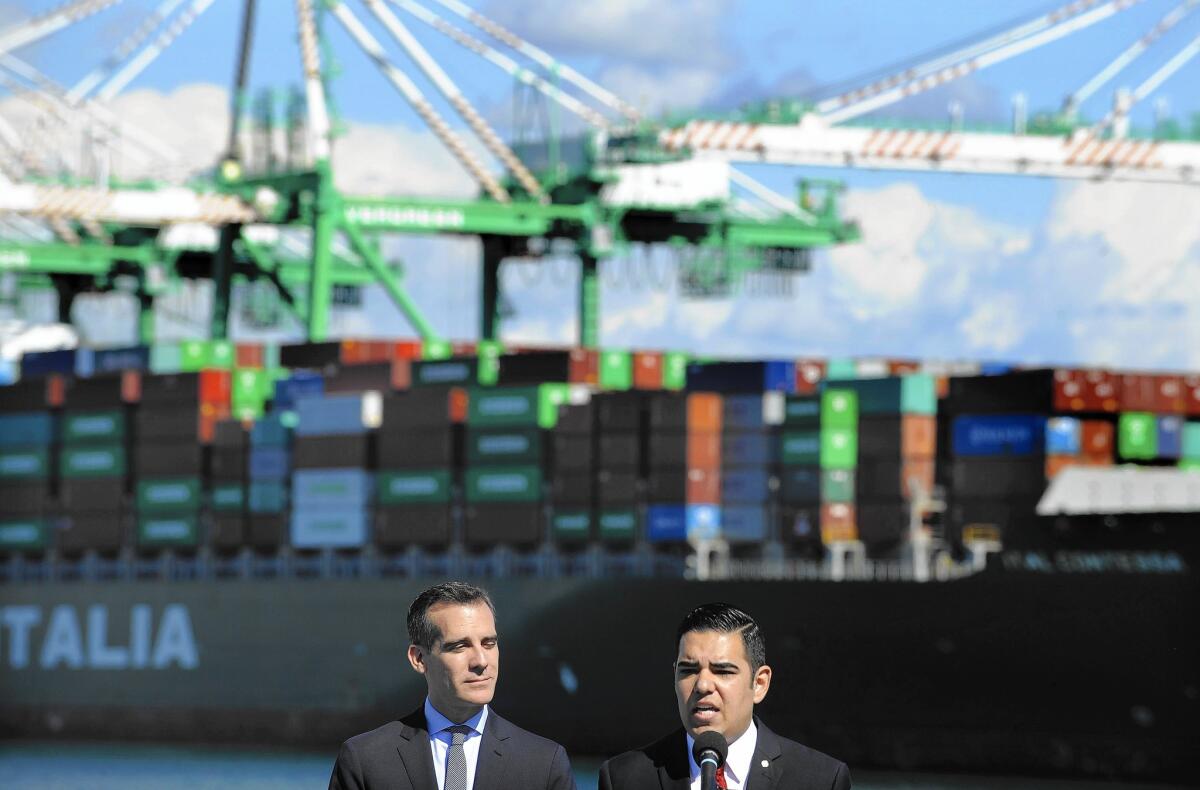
x,y
737,761
439,742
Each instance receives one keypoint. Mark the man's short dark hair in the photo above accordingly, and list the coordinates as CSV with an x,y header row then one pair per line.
x,y
725,619
424,633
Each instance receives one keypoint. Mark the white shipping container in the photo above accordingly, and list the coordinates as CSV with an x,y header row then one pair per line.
x,y
668,185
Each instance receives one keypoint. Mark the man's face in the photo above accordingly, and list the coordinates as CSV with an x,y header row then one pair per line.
x,y
714,686
462,666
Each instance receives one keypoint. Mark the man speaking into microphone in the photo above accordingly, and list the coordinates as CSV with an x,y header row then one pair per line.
x,y
721,673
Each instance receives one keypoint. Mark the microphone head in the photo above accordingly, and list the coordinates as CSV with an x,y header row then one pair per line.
x,y
712,742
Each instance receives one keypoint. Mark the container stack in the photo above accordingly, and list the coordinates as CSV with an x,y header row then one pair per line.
x,y
268,470
420,458
332,482
176,419
571,474
618,463
26,439
749,477
683,465
897,446
93,463
506,454
227,497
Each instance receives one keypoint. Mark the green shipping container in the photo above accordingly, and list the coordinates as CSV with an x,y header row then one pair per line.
x,y
228,496
616,370
98,461
30,463
674,370
800,448
168,494
512,446
504,484
414,487
1191,441
839,448
618,525
837,485
251,387
436,349
488,352
197,355
517,406
839,409
1190,464
168,530
1137,435
98,426
802,411
571,525
23,535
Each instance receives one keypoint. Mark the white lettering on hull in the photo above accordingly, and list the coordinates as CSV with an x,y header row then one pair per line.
x,y
72,641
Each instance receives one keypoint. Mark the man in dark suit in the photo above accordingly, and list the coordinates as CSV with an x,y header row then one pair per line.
x,y
454,741
721,673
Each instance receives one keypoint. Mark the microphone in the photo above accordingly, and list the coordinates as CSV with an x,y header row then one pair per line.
x,y
709,750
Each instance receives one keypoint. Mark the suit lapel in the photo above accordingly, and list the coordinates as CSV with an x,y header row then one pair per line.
x,y
763,773
415,751
674,771
491,765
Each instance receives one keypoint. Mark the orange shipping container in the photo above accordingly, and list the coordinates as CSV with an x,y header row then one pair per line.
x,y
131,386
918,435
901,367
584,367
704,412
56,390
401,373
215,386
941,386
1191,395
1169,395
1101,391
703,486
1069,387
210,415
921,469
647,370
406,349
704,450
809,375
463,348
838,523
1056,463
1097,437
459,399
1096,459
249,355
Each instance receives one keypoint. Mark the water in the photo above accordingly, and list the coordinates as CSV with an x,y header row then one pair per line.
x,y
74,766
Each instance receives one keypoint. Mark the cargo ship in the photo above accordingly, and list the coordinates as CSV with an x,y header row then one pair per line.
x,y
957,568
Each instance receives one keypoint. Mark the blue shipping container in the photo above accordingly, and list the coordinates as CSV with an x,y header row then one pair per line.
x,y
296,387
750,486
333,488
1170,437
269,463
97,362
766,376
329,528
39,364
8,372
747,449
267,496
666,523
270,432
336,415
1064,436
744,524
26,428
999,434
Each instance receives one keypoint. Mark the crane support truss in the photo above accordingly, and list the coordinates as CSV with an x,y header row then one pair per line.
x,y
815,143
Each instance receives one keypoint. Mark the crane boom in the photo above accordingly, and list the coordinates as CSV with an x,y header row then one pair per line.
x,y
314,89
118,81
32,30
123,50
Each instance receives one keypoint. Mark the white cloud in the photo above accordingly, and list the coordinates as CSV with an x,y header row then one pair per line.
x,y
653,90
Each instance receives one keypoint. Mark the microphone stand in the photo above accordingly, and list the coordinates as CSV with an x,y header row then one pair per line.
x,y
708,772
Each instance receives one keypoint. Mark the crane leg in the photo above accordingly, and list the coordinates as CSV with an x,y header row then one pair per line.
x,y
589,301
489,308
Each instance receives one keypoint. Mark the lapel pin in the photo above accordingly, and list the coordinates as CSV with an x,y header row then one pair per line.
x,y
765,763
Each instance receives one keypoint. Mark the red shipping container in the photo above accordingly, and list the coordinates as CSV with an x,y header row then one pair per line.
x,y
1191,395
210,415
941,386
406,349
249,355
1138,392
703,487
215,387
647,370
1096,459
584,366
1069,390
1057,463
704,450
463,348
922,469
1097,437
809,375
1169,396
56,390
838,522
131,386
1101,391
459,400
901,367
704,412
401,373
918,436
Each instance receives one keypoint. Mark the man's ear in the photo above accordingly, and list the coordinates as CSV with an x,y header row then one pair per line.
x,y
416,657
761,683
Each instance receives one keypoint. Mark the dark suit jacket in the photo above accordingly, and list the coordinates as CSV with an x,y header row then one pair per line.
x,y
663,765
397,756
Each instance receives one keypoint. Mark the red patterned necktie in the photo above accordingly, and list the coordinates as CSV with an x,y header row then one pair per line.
x,y
721,779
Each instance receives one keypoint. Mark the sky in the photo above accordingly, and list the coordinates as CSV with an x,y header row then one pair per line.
x,y
999,268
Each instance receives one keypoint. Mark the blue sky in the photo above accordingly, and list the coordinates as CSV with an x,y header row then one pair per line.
x,y
1009,268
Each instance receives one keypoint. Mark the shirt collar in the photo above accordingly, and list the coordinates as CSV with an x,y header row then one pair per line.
x,y
737,761
437,722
